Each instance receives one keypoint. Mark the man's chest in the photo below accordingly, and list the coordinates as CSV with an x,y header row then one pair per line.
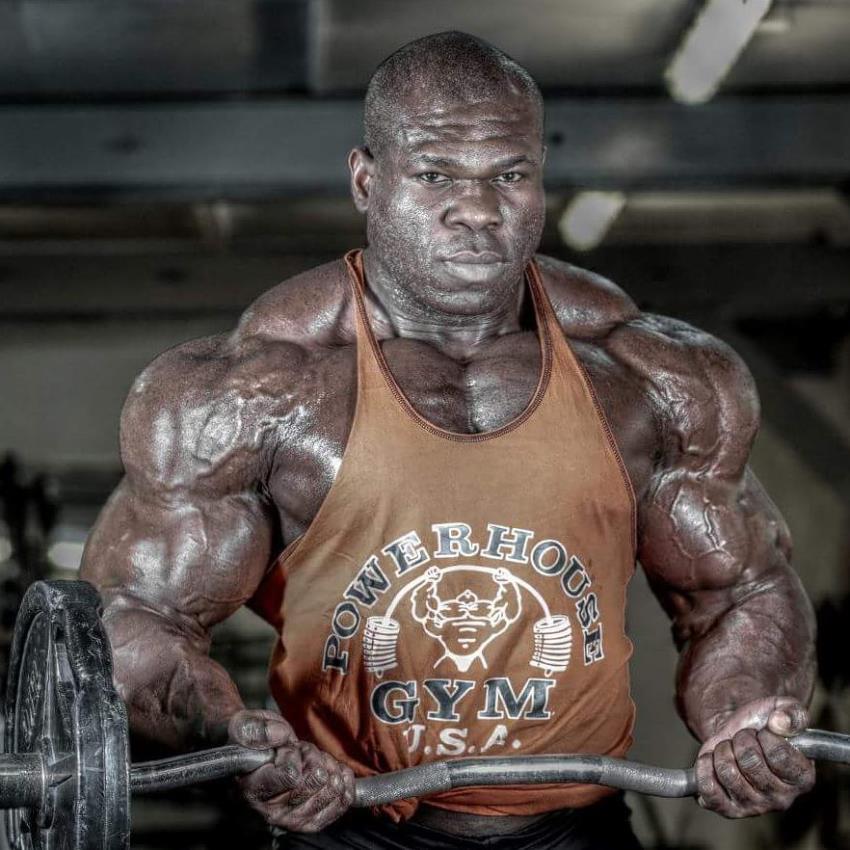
x,y
462,396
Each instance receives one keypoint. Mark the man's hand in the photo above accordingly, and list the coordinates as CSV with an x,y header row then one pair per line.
x,y
303,789
748,767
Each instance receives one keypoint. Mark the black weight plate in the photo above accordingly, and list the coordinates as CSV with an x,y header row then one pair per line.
x,y
61,702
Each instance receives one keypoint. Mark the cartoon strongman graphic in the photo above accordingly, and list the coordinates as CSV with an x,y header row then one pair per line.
x,y
466,624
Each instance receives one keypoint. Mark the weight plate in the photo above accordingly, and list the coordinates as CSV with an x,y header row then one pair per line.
x,y
61,703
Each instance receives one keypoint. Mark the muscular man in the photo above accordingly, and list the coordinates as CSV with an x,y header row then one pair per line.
x,y
462,449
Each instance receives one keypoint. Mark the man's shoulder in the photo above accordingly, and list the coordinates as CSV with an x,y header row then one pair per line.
x,y
704,395
695,381
587,305
590,307
311,309
292,322
295,318
208,401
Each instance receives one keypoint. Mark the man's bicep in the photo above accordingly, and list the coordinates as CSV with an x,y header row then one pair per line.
x,y
707,542
700,516
188,557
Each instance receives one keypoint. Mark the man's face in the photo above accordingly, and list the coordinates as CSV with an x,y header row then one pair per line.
x,y
456,202
465,622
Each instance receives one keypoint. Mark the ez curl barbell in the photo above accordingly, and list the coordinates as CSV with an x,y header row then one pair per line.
x,y
66,778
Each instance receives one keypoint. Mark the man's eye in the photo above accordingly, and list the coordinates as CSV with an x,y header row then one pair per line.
x,y
511,177
432,177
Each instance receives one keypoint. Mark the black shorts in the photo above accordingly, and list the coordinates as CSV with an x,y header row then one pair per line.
x,y
602,826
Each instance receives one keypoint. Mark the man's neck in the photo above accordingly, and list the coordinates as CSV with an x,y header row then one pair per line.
x,y
395,312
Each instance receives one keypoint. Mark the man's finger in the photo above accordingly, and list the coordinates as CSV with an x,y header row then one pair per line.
x,y
753,765
788,719
350,789
711,794
326,817
733,782
785,761
314,769
271,780
260,730
313,814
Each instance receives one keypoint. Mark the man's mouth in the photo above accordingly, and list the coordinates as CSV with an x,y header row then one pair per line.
x,y
475,258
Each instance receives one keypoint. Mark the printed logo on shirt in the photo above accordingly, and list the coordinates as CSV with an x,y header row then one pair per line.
x,y
465,623
464,608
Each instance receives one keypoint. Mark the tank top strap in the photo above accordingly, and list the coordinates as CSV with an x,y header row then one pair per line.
x,y
564,364
569,380
371,383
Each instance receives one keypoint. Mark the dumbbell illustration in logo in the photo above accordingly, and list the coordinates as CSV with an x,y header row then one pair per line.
x,y
467,623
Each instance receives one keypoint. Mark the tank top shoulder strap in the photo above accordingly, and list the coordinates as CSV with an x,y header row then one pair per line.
x,y
370,381
563,360
570,376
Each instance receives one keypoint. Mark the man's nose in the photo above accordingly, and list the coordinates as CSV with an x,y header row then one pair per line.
x,y
475,205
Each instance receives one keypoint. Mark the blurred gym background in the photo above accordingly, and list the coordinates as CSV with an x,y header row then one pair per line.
x,y
162,163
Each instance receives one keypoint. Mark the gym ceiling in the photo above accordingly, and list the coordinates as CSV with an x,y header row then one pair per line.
x,y
224,102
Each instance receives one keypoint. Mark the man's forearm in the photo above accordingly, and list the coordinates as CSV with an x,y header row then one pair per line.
x,y
760,644
177,697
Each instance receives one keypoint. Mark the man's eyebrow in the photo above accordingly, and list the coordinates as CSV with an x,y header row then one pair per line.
x,y
428,159
445,162
503,164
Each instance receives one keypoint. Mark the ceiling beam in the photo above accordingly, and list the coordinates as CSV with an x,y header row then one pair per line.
x,y
278,148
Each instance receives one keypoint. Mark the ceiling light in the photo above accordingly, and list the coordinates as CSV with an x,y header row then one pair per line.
x,y
588,217
66,544
65,554
778,22
709,50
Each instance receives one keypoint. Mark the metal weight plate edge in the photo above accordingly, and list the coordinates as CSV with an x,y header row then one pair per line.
x,y
101,719
102,794
31,643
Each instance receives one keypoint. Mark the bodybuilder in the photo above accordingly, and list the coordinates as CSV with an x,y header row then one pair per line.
x,y
461,449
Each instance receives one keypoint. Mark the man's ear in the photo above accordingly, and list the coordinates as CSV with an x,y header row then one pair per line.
x,y
361,164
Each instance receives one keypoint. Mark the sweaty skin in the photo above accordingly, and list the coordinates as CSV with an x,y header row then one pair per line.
x,y
230,444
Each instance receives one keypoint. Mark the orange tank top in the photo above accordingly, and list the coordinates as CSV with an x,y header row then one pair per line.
x,y
462,594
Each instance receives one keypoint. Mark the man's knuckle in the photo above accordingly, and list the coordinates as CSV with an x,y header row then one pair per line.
x,y
800,780
727,774
706,781
253,728
779,757
749,759
713,797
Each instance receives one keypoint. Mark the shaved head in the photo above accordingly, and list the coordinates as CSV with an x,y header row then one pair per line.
x,y
451,67
450,178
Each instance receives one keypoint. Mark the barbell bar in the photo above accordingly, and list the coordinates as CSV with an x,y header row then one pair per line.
x,y
23,778
66,778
